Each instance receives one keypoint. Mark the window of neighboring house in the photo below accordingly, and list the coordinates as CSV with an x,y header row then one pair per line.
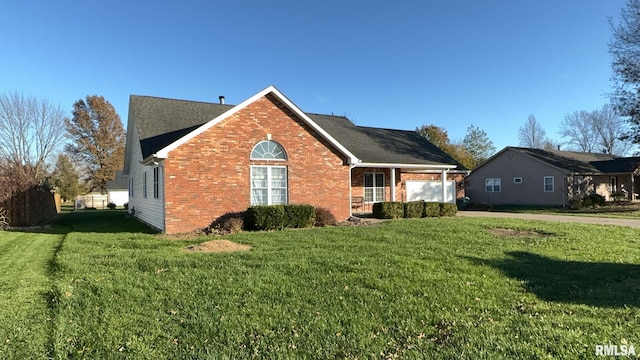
x,y
268,182
373,187
548,184
131,186
517,180
144,185
268,185
492,184
156,182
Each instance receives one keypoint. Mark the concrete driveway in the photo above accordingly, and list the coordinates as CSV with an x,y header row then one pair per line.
x,y
546,217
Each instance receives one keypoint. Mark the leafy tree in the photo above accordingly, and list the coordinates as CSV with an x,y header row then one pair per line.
x,y
31,129
531,134
478,145
625,50
439,137
65,178
98,139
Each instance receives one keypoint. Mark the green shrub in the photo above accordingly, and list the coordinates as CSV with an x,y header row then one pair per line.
x,y
431,209
324,217
111,205
388,210
264,217
299,216
448,209
413,209
593,200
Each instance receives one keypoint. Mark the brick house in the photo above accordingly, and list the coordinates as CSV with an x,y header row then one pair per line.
x,y
188,162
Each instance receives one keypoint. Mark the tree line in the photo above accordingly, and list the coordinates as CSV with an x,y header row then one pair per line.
x,y
88,146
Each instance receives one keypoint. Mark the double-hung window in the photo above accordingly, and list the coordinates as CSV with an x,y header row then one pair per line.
x,y
493,185
548,184
373,187
268,181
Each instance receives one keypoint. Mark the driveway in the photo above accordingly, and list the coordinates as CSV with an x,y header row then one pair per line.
x,y
546,217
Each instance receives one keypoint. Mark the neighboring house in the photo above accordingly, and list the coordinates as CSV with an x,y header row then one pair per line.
x,y
528,176
188,163
118,190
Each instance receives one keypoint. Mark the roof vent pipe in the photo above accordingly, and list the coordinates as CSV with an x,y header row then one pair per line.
x,y
221,99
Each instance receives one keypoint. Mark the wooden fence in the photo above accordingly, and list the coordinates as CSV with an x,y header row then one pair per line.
x,y
30,207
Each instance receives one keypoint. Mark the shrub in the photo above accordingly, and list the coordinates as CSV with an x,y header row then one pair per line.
x,y
593,200
299,216
264,217
324,217
431,209
126,206
388,210
111,205
448,209
229,223
479,206
413,209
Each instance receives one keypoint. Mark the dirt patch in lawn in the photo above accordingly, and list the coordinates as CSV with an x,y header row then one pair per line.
x,y
217,246
518,233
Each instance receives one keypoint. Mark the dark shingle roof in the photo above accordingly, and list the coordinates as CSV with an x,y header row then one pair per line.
x,y
161,122
385,146
582,162
120,183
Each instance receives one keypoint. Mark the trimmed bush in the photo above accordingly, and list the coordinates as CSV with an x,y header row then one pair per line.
x,y
299,216
593,200
413,209
448,209
431,209
228,223
324,217
388,210
111,206
264,217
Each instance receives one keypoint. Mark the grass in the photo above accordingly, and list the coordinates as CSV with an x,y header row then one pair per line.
x,y
435,288
622,211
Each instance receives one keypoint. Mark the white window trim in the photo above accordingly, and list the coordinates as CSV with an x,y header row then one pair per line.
x,y
544,184
517,180
278,146
269,188
374,187
493,186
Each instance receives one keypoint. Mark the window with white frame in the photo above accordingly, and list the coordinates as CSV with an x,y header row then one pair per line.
x,y
156,182
548,184
373,187
144,185
493,185
268,182
268,185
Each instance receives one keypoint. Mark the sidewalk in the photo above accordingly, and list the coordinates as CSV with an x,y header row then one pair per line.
x,y
546,217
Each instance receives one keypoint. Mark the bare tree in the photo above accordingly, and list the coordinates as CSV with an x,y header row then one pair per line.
x,y
531,134
578,127
31,130
610,129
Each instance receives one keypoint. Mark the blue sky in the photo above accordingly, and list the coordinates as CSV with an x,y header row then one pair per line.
x,y
395,64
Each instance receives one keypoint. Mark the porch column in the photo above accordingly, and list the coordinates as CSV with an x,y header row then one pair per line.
x,y
393,184
443,178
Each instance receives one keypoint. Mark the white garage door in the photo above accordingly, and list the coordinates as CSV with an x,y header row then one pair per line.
x,y
429,190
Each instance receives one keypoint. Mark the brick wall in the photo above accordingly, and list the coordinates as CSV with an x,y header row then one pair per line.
x,y
208,176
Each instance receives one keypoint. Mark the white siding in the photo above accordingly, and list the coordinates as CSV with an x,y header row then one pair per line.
x,y
149,209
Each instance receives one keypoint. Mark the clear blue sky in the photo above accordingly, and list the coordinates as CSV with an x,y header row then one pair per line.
x,y
395,64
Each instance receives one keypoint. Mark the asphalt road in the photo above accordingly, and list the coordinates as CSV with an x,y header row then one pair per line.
x,y
546,217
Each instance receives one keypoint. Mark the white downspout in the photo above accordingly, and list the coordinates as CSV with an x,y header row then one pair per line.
x,y
393,184
443,177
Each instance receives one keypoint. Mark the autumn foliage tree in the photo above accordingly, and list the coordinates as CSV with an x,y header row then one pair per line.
x,y
439,137
98,140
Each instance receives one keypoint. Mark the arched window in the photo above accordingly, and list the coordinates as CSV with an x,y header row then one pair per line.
x,y
268,150
268,182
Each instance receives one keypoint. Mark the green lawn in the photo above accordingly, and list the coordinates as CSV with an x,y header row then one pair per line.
x,y
627,211
424,288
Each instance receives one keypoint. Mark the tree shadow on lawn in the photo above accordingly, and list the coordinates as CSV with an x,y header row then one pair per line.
x,y
92,221
591,283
